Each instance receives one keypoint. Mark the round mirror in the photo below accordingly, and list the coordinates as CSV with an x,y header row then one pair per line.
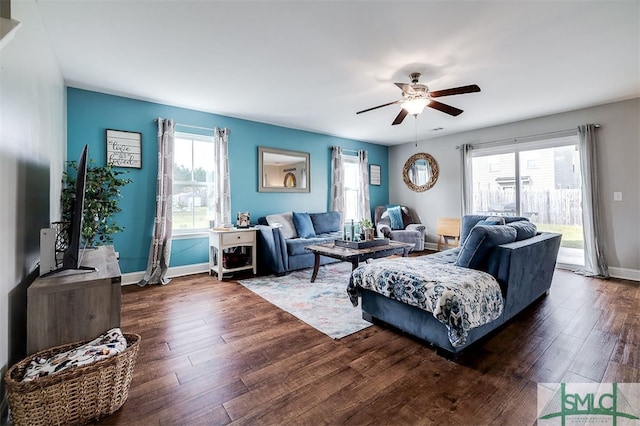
x,y
420,172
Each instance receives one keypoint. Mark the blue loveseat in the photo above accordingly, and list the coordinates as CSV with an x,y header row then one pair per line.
x,y
282,239
523,270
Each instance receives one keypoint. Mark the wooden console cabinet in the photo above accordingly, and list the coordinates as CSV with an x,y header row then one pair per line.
x,y
75,305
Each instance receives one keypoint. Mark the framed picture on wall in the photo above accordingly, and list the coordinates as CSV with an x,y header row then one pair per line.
x,y
124,149
374,174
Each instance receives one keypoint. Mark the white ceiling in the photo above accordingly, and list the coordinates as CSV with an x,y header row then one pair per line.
x,y
312,64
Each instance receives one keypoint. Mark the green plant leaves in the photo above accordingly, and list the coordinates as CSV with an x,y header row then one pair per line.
x,y
102,195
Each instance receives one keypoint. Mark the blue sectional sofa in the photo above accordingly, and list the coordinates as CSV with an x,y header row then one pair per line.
x,y
522,268
282,239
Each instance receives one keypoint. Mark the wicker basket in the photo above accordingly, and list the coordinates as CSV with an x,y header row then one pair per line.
x,y
74,396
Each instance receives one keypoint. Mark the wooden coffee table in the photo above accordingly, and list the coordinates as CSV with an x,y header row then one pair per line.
x,y
355,256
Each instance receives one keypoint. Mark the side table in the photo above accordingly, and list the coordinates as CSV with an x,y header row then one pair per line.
x,y
236,237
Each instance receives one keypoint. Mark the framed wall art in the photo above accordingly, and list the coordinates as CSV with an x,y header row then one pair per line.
x,y
374,174
124,149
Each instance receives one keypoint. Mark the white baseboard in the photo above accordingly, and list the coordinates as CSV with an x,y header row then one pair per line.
x,y
431,246
176,271
624,273
199,268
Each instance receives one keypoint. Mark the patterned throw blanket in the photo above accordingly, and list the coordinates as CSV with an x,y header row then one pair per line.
x,y
107,345
460,298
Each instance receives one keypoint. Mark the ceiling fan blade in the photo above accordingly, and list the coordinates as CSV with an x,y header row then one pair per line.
x,y
406,88
455,91
401,115
376,107
448,109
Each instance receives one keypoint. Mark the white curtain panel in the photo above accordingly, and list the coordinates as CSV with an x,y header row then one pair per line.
x,y
222,186
466,179
337,181
365,204
160,250
595,261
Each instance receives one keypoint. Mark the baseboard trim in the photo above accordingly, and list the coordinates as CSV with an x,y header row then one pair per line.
x,y
624,273
199,268
176,271
431,246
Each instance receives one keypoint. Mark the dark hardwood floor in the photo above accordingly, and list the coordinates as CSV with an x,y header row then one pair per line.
x,y
215,353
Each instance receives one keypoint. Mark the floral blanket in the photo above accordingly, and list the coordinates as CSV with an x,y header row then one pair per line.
x,y
460,298
107,345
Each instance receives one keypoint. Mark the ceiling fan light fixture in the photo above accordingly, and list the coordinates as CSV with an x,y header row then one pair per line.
x,y
416,96
415,106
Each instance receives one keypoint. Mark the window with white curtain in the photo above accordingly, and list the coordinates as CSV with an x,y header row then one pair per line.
x,y
539,179
193,171
353,209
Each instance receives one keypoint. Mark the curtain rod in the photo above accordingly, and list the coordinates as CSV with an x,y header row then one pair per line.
x,y
193,127
347,150
520,138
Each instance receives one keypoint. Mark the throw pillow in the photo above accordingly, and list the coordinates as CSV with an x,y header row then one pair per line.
x,y
285,222
480,242
488,222
524,229
327,222
498,219
395,216
303,224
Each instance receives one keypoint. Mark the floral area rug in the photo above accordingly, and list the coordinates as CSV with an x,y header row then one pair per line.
x,y
324,304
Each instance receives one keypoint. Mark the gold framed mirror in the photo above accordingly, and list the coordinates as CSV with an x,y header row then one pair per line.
x,y
420,172
281,170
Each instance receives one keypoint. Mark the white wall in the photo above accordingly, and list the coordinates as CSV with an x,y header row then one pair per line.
x,y
32,153
619,170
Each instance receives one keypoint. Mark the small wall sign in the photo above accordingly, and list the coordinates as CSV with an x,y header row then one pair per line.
x,y
374,174
124,149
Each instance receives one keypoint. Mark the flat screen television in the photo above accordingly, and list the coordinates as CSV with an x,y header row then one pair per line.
x,y
72,256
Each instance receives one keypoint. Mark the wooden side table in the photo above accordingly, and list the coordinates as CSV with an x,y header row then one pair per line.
x,y
220,240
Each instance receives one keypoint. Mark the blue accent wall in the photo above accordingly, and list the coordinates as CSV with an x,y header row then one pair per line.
x,y
89,114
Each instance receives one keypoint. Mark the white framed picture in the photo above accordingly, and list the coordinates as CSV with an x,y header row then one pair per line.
x,y
244,220
374,174
124,149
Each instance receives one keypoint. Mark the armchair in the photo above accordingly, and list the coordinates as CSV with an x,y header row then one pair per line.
x,y
405,230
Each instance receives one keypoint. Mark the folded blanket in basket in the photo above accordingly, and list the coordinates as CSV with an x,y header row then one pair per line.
x,y
107,345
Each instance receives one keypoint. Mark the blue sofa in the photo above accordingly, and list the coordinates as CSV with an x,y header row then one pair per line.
x,y
523,269
282,239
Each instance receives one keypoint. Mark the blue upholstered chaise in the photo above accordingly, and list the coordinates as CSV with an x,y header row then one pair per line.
x,y
523,270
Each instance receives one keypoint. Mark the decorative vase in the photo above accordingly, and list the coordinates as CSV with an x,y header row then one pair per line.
x,y
368,234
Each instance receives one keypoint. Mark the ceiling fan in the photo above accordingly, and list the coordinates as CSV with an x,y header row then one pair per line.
x,y
416,96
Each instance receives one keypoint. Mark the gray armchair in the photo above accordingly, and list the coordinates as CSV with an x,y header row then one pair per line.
x,y
411,232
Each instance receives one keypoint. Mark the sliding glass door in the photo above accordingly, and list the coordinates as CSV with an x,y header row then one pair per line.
x,y
539,180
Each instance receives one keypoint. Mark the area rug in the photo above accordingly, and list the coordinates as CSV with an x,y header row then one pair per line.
x,y
324,304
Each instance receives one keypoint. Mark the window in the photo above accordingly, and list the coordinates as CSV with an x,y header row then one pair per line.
x,y
538,179
352,203
193,202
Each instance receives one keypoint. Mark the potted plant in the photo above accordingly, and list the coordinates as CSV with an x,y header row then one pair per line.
x,y
367,229
102,194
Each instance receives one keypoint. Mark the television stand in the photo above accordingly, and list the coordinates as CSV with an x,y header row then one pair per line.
x,y
70,271
75,304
